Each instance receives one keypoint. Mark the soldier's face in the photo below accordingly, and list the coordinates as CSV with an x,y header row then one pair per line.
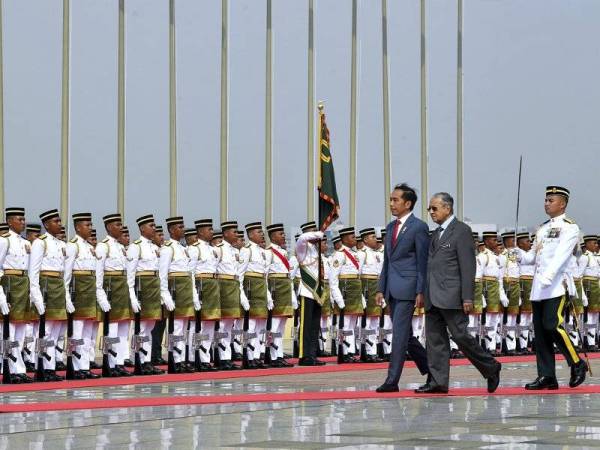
x,y
159,238
115,229
278,237
177,231
205,233
53,226
509,242
16,223
591,246
555,205
93,240
84,228
371,241
257,236
191,240
524,244
349,241
148,230
230,235
124,239
491,243
32,236
216,241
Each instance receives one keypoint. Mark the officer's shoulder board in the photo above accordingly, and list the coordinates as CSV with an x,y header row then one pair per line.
x,y
196,244
220,245
73,241
270,247
545,222
43,236
168,244
105,241
7,234
248,245
137,241
569,220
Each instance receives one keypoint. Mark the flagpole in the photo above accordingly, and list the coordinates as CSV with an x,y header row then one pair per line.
x,y
65,114
2,184
172,113
424,156
353,114
121,112
268,117
387,160
224,108
459,116
310,186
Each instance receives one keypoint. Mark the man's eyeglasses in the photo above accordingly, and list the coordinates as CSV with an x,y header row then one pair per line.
x,y
432,208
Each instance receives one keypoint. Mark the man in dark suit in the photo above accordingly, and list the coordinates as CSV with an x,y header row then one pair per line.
x,y
449,298
402,281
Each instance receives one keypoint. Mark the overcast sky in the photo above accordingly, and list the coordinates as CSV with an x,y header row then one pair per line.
x,y
531,71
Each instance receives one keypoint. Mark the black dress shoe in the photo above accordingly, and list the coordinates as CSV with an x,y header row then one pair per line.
x,y
95,365
277,363
90,375
29,366
79,375
310,362
387,388
431,389
578,372
259,364
207,367
285,363
128,363
540,383
50,375
60,365
372,359
24,378
348,359
236,356
494,380
123,371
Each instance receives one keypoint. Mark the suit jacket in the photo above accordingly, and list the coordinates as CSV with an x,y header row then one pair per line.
x,y
451,268
405,265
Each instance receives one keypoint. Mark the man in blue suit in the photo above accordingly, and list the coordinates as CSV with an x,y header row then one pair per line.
x,y
402,281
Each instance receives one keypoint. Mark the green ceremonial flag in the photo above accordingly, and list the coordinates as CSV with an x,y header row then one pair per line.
x,y
329,205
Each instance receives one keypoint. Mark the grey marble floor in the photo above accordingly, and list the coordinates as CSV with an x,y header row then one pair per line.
x,y
553,421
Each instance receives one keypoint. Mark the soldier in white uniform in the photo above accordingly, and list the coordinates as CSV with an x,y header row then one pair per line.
x,y
143,283
80,276
371,262
386,335
526,272
233,299
493,289
346,289
282,290
111,277
590,271
510,275
46,270
553,247
177,289
14,293
204,260
32,232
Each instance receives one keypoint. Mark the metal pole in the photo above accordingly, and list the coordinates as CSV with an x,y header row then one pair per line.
x,y
459,116
172,112
268,121
353,114
64,160
1,117
424,156
310,186
387,160
224,106
121,112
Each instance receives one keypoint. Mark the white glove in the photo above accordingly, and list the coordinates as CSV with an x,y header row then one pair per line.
x,y
294,300
4,306
39,305
364,302
544,280
244,301
270,304
165,299
483,302
102,300
196,300
340,302
520,301
68,303
316,235
503,299
383,304
135,304
584,298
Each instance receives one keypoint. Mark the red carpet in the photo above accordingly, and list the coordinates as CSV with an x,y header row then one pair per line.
x,y
210,376
276,397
